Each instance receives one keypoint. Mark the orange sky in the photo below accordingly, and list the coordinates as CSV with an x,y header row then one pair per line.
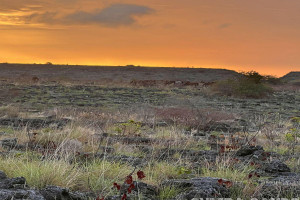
x,y
261,35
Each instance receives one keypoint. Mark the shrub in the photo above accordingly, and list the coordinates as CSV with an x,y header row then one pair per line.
x,y
128,128
248,86
253,76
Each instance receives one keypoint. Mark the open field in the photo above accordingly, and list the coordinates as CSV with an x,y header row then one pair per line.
x,y
83,133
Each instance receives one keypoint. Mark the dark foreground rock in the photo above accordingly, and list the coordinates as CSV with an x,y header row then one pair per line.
x,y
20,194
9,143
248,150
16,188
276,166
287,186
205,187
141,191
58,193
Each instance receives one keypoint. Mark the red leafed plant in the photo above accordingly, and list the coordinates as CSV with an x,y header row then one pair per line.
x,y
128,184
116,185
250,176
129,180
131,187
220,181
227,184
140,174
222,149
124,196
253,175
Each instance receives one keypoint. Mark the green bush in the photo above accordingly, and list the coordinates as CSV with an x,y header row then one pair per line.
x,y
128,128
248,86
253,76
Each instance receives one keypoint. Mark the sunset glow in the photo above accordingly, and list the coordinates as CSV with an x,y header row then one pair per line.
x,y
261,35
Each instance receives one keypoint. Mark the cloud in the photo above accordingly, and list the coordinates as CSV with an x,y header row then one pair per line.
x,y
16,5
46,17
223,26
114,15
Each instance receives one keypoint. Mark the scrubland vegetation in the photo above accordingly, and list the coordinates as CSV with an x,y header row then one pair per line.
x,y
234,138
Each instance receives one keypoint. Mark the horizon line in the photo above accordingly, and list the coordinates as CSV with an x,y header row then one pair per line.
x,y
139,66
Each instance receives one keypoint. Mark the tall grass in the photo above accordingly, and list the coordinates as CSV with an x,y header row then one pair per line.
x,y
39,173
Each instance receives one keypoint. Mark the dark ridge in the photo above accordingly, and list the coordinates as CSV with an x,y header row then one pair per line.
x,y
122,73
291,77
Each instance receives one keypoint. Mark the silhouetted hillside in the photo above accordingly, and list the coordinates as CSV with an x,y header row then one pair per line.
x,y
115,73
291,77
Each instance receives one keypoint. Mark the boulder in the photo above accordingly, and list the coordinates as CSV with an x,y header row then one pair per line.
x,y
141,191
205,187
248,150
147,191
16,188
280,187
6,194
9,143
58,193
276,166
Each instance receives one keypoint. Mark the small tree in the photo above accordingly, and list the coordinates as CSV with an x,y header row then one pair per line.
x,y
250,85
253,76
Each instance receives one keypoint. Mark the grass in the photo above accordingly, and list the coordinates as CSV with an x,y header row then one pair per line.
x,y
39,173
169,193
7,130
99,176
160,171
224,168
227,169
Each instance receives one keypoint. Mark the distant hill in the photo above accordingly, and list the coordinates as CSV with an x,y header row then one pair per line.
x,y
113,73
292,77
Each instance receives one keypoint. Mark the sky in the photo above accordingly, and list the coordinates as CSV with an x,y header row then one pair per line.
x,y
243,35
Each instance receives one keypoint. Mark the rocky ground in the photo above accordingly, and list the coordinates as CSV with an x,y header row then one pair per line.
x,y
66,141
